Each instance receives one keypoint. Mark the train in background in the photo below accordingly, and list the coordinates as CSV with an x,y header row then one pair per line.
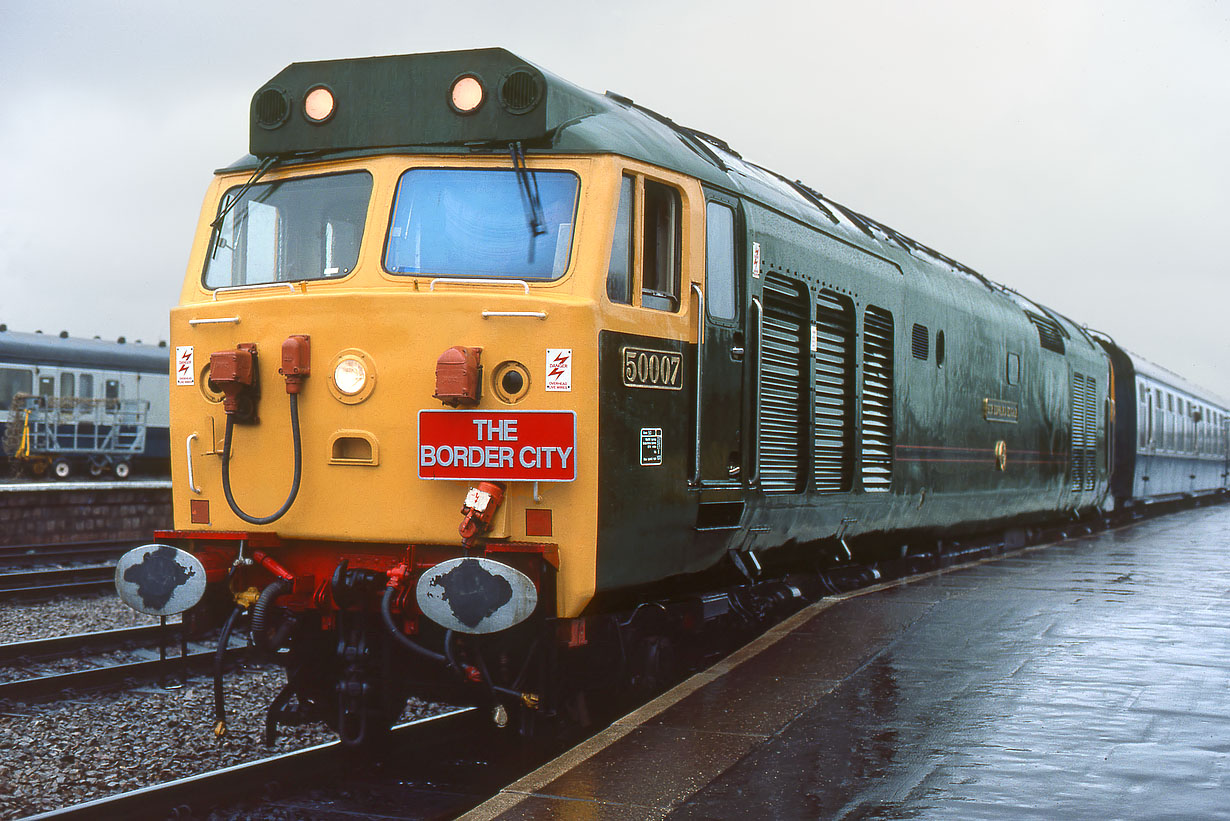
x,y
73,407
492,389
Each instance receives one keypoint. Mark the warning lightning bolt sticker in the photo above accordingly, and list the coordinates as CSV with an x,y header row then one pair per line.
x,y
559,369
185,371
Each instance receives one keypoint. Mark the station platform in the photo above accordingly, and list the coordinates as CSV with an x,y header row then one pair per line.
x,y
1084,679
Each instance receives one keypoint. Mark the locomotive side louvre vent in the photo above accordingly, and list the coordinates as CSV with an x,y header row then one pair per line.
x,y
1084,432
520,92
272,107
1050,334
783,396
920,342
877,439
834,418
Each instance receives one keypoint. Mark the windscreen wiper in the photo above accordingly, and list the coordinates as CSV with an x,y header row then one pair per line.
x,y
216,225
529,187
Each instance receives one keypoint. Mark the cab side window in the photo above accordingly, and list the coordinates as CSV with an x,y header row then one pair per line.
x,y
646,250
661,250
619,274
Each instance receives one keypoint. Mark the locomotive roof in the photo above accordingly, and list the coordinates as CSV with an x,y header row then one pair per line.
x,y
69,352
400,104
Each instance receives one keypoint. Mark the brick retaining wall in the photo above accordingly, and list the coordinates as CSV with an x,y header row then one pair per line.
x,y
48,516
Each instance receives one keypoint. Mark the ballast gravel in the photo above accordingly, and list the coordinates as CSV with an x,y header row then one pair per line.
x,y
87,746
64,615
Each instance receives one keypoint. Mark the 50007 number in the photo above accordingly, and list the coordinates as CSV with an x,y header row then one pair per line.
x,y
653,369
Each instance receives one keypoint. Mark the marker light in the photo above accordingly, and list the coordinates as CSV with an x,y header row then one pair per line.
x,y
467,94
318,104
350,376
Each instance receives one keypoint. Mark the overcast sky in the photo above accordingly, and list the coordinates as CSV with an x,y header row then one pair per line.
x,y
1078,152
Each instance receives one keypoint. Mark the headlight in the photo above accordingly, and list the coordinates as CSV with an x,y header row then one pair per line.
x,y
350,376
467,94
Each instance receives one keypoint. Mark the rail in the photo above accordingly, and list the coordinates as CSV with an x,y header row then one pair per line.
x,y
49,582
196,794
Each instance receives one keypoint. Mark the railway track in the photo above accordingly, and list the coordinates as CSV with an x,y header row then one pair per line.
x,y
60,646
285,781
172,660
98,552
50,582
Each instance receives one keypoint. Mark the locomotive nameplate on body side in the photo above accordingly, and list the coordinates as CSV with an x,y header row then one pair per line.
x,y
999,410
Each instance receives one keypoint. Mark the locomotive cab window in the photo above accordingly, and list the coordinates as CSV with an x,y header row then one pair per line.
x,y
661,248
289,231
619,271
468,222
647,247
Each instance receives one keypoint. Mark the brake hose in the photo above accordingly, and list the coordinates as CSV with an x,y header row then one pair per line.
x,y
294,488
386,612
219,658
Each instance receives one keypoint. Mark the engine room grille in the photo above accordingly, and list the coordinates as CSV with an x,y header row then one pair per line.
x,y
877,399
1050,334
920,342
833,431
1084,432
783,400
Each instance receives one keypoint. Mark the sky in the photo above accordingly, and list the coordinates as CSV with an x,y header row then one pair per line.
x,y
1076,151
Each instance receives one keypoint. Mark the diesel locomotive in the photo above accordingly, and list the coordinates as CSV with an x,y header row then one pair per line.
x,y
489,388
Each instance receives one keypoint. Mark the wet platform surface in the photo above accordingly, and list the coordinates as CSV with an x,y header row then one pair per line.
x,y
1086,679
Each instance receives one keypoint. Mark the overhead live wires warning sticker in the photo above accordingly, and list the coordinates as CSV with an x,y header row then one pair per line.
x,y
185,370
559,369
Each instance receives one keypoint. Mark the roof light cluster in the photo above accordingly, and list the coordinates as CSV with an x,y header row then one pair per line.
x,y
445,98
519,93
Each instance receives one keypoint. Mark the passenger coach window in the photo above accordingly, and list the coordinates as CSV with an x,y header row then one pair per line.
x,y
12,382
619,272
67,388
720,260
85,386
46,386
660,252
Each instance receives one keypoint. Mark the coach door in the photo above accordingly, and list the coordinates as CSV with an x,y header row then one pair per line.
x,y
719,406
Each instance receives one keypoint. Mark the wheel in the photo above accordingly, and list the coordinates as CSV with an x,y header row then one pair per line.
x,y
97,469
61,468
122,469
